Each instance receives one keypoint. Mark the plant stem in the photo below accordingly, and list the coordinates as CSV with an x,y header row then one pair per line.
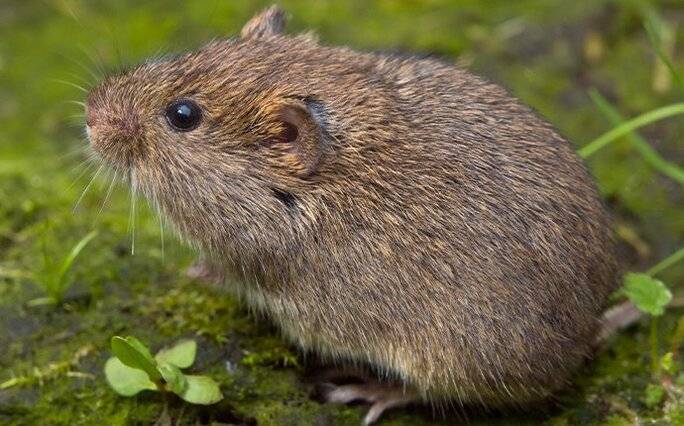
x,y
655,349
667,262
629,126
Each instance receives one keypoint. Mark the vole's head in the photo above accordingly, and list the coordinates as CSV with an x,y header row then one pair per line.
x,y
220,139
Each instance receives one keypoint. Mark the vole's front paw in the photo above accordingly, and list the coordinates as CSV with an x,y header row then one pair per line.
x,y
381,396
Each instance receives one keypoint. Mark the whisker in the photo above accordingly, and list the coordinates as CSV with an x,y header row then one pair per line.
x,y
98,65
68,83
160,53
76,115
74,163
87,169
117,50
100,74
160,219
131,219
82,79
71,13
89,70
109,193
97,173
161,231
79,103
73,152
74,122
102,61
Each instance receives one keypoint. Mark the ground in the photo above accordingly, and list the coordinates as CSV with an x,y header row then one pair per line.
x,y
548,53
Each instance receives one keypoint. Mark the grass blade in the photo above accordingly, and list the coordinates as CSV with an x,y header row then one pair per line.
x,y
629,126
653,27
73,254
667,262
648,153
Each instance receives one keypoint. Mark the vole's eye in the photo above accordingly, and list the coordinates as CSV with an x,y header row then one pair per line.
x,y
183,115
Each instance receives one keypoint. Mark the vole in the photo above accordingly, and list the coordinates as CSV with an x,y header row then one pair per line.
x,y
395,212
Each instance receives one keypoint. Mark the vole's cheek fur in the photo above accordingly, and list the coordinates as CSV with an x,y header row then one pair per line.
x,y
394,211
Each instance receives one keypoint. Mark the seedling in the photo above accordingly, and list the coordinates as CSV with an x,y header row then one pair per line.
x,y
651,297
54,277
132,369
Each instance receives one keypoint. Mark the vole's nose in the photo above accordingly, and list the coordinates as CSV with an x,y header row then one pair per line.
x,y
91,115
115,121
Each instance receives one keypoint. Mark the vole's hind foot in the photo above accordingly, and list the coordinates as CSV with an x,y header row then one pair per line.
x,y
381,397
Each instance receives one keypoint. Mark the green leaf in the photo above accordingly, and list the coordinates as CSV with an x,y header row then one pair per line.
x,y
648,294
133,353
41,301
182,354
175,380
201,390
667,363
126,381
654,395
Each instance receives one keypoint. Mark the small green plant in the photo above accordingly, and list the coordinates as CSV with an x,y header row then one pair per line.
x,y
654,395
133,369
53,277
651,296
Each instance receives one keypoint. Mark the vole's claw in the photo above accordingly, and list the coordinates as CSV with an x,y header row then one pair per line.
x,y
381,396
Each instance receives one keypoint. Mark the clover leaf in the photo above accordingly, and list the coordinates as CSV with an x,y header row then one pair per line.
x,y
647,293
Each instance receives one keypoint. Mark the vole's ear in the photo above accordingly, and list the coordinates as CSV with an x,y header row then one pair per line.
x,y
270,22
301,135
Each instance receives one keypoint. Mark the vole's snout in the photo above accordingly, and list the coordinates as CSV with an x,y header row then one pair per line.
x,y
112,126
116,121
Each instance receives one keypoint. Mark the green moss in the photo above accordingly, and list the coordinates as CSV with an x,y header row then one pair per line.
x,y
274,356
202,313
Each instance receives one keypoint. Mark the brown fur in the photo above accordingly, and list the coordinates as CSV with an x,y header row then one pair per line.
x,y
422,220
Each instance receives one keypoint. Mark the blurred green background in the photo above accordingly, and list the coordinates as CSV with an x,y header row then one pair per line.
x,y
552,54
